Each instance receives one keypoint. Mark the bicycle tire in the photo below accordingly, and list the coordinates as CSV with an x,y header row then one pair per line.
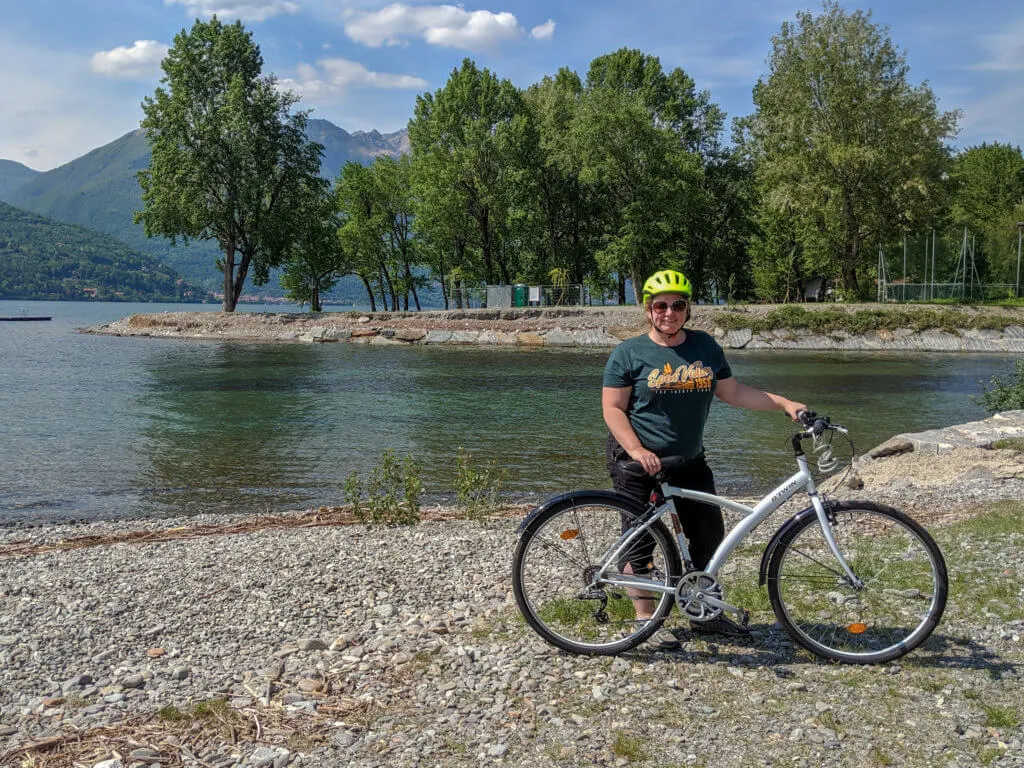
x,y
901,602
555,556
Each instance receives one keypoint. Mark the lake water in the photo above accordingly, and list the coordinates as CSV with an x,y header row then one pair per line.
x,y
101,427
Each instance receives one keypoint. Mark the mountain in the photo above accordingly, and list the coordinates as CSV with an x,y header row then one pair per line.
x,y
100,190
14,175
45,259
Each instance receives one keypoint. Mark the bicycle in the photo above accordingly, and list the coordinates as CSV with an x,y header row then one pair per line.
x,y
851,581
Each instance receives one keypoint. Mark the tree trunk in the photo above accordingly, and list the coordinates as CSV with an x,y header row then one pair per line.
x,y
412,287
622,287
229,276
314,301
369,292
485,241
243,270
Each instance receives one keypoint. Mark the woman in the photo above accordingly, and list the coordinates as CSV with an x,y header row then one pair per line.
x,y
656,396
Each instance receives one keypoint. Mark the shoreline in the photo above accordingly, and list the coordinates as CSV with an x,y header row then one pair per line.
x,y
322,645
555,327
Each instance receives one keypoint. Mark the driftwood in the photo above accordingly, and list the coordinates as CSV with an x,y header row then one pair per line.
x,y
324,516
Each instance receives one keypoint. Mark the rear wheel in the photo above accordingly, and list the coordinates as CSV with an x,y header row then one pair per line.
x,y
900,602
553,572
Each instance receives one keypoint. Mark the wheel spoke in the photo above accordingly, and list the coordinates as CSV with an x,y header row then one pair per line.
x,y
554,573
894,609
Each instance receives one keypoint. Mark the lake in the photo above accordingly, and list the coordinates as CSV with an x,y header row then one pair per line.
x,y
97,427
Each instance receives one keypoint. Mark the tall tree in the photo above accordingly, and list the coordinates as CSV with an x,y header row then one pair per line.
x,y
461,135
843,142
230,160
988,198
317,259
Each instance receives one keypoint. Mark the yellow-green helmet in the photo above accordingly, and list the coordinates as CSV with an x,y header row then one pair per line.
x,y
667,281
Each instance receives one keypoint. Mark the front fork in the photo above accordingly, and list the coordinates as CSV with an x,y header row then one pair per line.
x,y
825,521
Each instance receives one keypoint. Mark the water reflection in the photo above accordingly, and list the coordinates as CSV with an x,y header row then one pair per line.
x,y
226,427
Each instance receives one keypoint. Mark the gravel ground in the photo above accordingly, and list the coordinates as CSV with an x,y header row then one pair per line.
x,y
364,646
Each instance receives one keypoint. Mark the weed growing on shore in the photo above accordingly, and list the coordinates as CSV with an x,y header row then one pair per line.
x,y
1004,395
391,495
477,489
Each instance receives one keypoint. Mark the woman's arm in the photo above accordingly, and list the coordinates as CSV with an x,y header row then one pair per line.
x,y
614,402
733,392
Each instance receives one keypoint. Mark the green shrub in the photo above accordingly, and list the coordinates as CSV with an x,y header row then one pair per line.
x,y
1004,395
477,490
391,495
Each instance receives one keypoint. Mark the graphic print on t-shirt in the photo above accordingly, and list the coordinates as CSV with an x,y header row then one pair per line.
x,y
694,377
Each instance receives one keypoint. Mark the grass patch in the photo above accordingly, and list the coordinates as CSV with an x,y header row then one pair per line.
x,y
997,716
1000,519
833,320
879,758
629,746
1009,444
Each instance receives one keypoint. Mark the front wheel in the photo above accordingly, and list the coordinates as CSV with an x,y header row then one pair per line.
x,y
554,576
898,604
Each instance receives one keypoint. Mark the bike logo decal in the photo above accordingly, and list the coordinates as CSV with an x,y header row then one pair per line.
x,y
687,378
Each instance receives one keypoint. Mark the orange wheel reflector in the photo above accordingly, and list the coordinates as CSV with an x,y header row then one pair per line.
x,y
857,628
572,533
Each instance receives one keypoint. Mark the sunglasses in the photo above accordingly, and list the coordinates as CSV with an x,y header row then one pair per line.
x,y
661,307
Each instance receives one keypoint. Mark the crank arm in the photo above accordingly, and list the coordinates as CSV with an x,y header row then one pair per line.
x,y
742,615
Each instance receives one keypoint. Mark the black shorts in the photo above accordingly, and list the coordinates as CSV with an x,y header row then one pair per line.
x,y
702,523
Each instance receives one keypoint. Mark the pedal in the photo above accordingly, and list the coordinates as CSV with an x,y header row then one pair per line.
x,y
744,617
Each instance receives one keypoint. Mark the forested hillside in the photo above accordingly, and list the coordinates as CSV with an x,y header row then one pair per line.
x,y
100,190
48,260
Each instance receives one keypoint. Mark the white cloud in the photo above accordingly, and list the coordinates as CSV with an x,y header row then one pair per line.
x,y
139,62
445,25
543,31
1005,49
54,108
247,10
331,78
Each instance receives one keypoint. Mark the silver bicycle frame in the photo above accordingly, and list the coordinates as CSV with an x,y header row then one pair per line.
x,y
752,517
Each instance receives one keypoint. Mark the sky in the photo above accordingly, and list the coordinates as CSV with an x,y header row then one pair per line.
x,y
73,73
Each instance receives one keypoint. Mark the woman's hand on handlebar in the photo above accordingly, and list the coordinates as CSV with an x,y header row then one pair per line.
x,y
648,460
793,409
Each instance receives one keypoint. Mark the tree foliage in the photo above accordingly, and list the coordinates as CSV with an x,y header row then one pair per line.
x,y
230,160
843,144
988,197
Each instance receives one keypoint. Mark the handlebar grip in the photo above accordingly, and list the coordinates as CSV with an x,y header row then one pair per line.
x,y
806,417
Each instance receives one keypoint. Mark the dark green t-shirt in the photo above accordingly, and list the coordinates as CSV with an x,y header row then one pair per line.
x,y
672,389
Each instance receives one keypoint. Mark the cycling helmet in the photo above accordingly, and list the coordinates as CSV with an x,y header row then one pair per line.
x,y
667,281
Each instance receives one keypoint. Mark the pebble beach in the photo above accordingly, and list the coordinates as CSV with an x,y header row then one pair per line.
x,y
330,645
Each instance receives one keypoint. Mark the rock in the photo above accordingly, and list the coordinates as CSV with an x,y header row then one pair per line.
x,y
344,739
529,339
891,447
337,334
310,686
737,339
437,337
133,681
78,681
559,338
155,653
311,644
498,750
410,334
180,673
269,757
464,337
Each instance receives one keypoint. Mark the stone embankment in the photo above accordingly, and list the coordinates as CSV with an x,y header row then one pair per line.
x,y
353,645
555,327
